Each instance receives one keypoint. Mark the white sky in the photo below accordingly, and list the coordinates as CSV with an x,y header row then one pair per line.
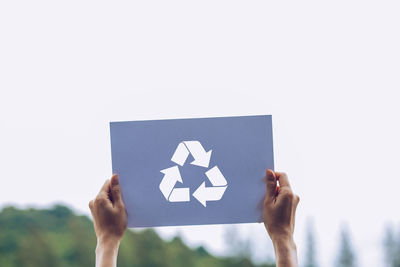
x,y
328,72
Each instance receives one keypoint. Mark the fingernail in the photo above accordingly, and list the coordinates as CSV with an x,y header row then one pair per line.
x,y
114,179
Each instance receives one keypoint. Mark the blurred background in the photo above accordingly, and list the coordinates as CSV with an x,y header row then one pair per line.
x,y
327,71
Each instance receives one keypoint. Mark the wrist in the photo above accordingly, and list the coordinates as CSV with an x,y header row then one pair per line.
x,y
284,241
107,252
107,246
107,243
285,251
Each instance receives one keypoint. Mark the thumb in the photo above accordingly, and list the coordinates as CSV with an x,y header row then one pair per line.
x,y
115,190
271,184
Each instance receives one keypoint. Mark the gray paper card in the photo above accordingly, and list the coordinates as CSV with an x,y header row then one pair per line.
x,y
192,171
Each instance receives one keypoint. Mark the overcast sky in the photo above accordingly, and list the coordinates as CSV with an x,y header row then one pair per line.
x,y
327,71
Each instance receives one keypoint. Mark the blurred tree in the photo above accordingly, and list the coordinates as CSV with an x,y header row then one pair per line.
x,y
57,237
310,257
80,252
238,248
391,248
346,257
236,245
35,250
150,250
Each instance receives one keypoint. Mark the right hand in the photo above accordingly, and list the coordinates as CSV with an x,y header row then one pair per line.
x,y
279,215
279,207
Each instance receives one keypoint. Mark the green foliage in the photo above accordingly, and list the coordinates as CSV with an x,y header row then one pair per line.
x,y
346,256
392,247
57,237
311,255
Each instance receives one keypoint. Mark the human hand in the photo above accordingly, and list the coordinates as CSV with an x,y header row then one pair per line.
x,y
279,217
110,221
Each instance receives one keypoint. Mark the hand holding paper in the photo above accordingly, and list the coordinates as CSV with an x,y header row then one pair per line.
x,y
110,222
279,217
192,171
197,171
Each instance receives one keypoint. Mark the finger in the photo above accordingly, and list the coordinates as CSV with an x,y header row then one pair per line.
x,y
297,200
101,201
283,179
105,187
271,182
91,204
116,190
91,207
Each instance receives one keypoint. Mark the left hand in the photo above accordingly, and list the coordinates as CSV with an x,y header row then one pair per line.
x,y
109,213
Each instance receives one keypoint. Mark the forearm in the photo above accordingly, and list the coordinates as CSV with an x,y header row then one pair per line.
x,y
106,253
286,253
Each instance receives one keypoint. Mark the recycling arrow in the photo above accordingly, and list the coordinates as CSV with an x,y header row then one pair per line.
x,y
204,194
201,159
214,193
171,176
215,176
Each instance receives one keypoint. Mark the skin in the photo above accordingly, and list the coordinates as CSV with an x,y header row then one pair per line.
x,y
110,222
279,217
280,205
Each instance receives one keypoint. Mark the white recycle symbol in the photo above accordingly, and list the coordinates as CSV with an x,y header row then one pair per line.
x,y
202,159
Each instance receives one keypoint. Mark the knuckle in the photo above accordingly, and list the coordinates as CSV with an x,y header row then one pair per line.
x,y
91,204
284,190
122,207
99,201
116,189
287,194
119,206
284,174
